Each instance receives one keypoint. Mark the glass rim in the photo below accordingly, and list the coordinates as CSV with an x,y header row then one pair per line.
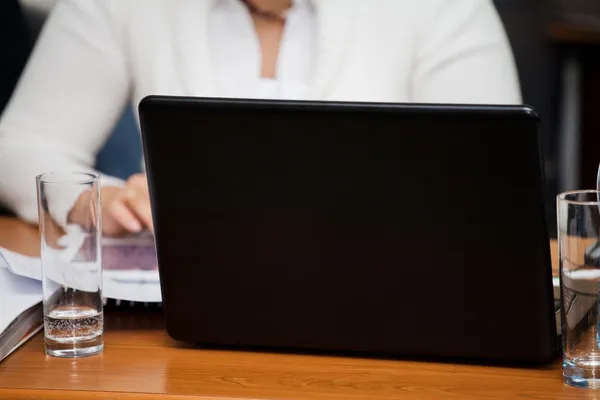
x,y
78,177
563,197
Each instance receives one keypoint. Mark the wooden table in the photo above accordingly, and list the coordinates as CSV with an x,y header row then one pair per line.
x,y
142,362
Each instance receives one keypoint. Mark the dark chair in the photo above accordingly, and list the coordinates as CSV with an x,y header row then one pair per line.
x,y
15,45
121,155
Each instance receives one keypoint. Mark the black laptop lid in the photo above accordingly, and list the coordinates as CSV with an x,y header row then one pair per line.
x,y
400,229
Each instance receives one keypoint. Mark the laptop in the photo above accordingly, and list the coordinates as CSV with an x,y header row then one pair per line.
x,y
410,231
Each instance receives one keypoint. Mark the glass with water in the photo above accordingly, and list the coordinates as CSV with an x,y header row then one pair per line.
x,y
579,254
73,316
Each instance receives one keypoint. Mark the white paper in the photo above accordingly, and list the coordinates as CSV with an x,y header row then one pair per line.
x,y
133,285
17,294
24,339
19,264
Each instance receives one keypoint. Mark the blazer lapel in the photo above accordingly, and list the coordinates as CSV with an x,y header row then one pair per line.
x,y
190,28
334,21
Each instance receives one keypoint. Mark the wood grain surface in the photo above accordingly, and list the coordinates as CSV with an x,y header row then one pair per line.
x,y
142,362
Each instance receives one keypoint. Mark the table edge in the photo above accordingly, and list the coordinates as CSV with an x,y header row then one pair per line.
x,y
50,394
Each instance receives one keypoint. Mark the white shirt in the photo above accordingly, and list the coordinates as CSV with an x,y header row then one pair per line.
x,y
235,51
94,56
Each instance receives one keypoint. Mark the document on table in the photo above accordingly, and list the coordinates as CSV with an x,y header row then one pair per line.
x,y
17,294
130,269
20,310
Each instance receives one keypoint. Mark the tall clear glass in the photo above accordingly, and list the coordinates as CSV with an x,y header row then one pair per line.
x,y
579,254
72,286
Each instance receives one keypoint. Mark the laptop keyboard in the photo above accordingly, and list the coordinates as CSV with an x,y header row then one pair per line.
x,y
122,305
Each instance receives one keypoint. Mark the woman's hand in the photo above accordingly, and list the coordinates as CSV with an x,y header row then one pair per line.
x,y
124,209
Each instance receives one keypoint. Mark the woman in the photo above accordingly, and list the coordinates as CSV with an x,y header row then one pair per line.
x,y
96,55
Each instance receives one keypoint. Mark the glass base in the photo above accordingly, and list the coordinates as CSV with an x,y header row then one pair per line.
x,y
74,349
582,373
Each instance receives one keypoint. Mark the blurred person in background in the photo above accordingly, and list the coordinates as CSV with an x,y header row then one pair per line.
x,y
94,56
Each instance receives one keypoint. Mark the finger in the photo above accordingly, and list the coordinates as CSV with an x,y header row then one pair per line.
x,y
138,201
138,180
121,213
